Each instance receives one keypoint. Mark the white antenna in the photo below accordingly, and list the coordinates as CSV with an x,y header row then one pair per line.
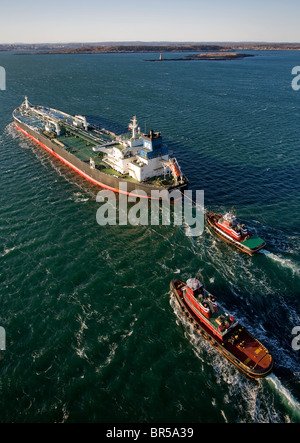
x,y
133,125
92,163
26,102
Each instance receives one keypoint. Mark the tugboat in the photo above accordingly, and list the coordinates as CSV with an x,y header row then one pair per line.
x,y
234,233
222,329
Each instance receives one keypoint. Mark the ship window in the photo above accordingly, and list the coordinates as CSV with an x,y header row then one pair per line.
x,y
198,292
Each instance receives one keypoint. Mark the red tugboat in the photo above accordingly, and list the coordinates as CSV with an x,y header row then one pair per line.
x,y
221,329
234,233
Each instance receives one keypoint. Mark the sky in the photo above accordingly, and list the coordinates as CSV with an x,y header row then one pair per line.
x,y
55,21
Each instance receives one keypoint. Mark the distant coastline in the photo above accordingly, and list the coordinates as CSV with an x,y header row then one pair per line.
x,y
144,47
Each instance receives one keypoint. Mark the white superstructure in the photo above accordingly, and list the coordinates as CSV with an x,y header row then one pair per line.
x,y
141,157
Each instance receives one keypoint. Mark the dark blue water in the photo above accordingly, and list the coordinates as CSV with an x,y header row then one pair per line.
x,y
92,332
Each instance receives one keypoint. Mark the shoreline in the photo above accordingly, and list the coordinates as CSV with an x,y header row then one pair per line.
x,y
144,47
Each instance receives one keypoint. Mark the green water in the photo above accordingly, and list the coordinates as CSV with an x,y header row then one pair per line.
x,y
92,332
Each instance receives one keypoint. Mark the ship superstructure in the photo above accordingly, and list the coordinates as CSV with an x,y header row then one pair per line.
x,y
206,308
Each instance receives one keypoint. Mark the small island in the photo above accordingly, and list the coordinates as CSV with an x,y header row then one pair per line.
x,y
206,56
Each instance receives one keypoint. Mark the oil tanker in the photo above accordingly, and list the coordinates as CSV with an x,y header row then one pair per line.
x,y
101,156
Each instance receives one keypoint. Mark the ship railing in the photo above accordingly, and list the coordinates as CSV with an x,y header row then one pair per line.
x,y
100,147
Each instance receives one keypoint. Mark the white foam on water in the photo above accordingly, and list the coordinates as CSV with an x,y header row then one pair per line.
x,y
253,404
287,397
224,416
7,251
79,197
11,130
284,262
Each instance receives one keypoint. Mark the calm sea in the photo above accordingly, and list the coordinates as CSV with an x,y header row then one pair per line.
x,y
92,333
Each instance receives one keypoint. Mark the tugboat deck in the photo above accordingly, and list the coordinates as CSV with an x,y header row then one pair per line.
x,y
253,242
248,351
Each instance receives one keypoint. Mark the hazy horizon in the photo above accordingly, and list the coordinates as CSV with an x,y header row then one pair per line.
x,y
59,22
154,42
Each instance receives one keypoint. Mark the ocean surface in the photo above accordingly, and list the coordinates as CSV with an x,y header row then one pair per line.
x,y
92,332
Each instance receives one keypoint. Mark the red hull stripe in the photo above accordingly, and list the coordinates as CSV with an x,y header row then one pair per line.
x,y
202,320
197,306
229,231
77,169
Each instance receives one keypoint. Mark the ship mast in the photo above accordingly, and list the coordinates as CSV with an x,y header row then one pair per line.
x,y
133,125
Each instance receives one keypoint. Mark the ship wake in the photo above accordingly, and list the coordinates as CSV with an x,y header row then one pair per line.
x,y
286,397
254,393
284,262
